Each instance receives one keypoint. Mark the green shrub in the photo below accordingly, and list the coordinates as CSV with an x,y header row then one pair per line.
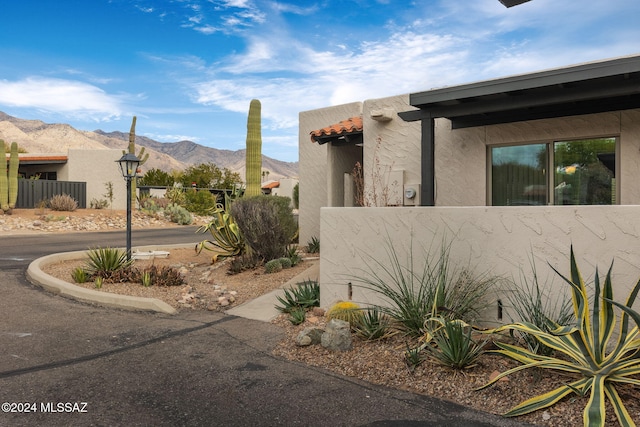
x,y
79,275
178,214
273,266
62,202
98,282
98,204
200,202
303,295
153,206
438,289
175,195
596,358
266,223
104,262
313,245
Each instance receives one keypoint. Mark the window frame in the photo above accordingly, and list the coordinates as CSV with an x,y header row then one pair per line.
x,y
549,177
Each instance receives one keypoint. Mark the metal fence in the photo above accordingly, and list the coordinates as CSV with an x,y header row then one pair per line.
x,y
33,191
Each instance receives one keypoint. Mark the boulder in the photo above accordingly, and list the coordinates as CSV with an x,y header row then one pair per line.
x,y
309,336
337,336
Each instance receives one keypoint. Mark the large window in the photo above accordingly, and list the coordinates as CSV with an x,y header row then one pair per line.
x,y
583,173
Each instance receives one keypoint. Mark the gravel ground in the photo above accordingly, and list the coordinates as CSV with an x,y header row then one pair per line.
x,y
380,362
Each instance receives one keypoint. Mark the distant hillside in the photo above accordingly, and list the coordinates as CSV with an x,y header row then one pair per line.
x,y
191,153
36,136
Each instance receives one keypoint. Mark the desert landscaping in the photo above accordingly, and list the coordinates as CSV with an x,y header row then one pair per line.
x,y
378,361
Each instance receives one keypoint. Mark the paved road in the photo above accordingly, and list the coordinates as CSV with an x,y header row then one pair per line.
x,y
112,368
20,250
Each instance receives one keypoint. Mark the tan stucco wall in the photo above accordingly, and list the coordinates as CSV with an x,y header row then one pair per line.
x,y
97,168
499,240
389,146
313,165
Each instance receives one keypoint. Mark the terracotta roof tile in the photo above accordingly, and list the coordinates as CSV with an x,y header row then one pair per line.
x,y
350,125
271,184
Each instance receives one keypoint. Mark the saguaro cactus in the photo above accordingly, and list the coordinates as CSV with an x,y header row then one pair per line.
x,y
254,150
141,155
9,177
4,183
12,178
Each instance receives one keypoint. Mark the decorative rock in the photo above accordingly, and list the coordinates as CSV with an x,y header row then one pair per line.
x,y
309,336
303,341
318,312
337,336
494,374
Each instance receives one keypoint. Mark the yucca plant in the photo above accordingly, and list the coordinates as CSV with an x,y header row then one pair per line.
x,y
452,345
105,261
227,239
414,296
531,303
373,324
587,349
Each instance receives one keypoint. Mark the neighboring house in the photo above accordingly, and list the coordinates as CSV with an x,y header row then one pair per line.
x,y
283,187
95,167
505,169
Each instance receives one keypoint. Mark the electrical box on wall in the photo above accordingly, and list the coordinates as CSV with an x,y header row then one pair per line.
x,y
411,195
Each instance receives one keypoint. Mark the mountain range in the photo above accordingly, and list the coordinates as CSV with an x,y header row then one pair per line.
x,y
35,136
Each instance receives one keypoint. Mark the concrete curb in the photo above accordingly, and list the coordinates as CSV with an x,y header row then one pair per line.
x,y
69,290
261,308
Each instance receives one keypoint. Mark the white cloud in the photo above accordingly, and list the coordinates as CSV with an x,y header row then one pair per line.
x,y
171,137
68,97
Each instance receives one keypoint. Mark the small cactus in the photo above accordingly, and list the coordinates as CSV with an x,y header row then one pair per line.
x,y
345,310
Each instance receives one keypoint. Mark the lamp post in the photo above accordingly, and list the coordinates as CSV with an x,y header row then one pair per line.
x,y
128,166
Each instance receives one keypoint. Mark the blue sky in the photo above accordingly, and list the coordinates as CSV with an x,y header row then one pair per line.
x,y
189,68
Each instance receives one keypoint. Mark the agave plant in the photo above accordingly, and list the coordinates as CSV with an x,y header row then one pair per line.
x,y
587,349
304,295
227,239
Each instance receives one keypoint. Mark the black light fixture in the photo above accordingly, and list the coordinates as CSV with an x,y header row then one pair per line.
x,y
511,3
129,168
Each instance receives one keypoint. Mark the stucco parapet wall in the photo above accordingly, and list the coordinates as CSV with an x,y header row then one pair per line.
x,y
69,290
499,240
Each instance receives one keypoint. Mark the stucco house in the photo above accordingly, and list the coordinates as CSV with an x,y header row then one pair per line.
x,y
94,167
505,169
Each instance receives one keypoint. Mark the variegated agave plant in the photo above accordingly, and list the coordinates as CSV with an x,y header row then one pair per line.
x,y
227,239
588,350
